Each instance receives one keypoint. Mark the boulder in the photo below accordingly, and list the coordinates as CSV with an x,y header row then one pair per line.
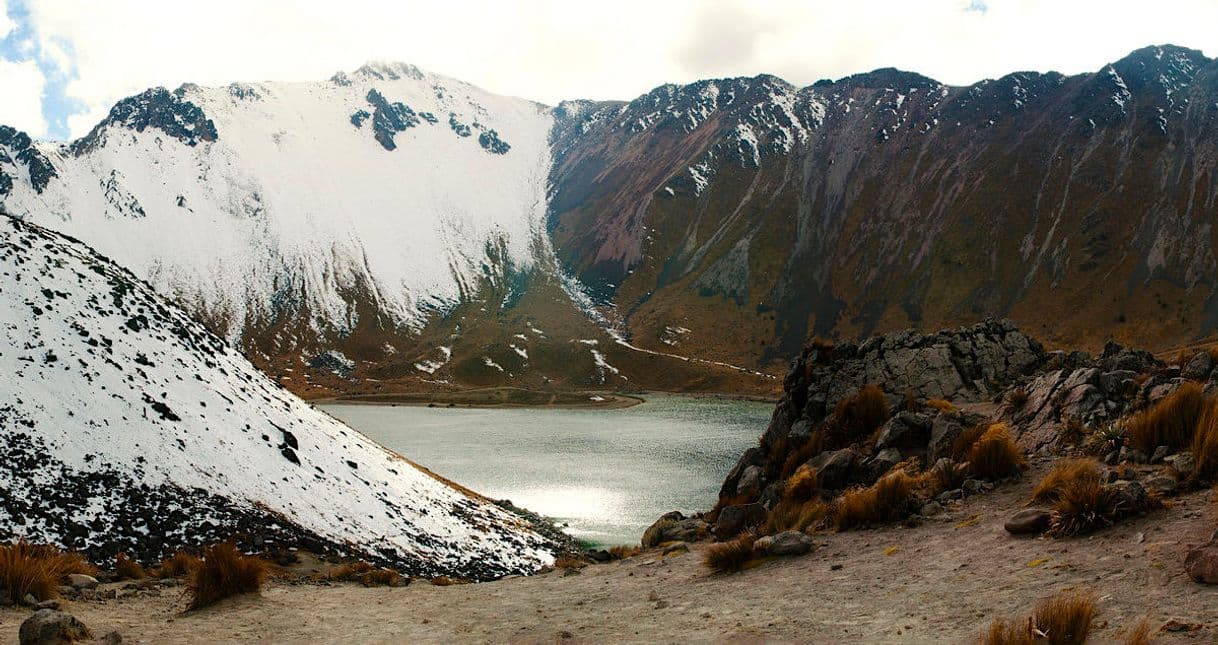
x,y
750,482
1160,454
880,464
1201,563
833,468
674,527
1183,463
82,581
905,431
801,431
1198,367
751,456
1131,495
1162,484
789,543
51,627
1029,521
944,431
733,520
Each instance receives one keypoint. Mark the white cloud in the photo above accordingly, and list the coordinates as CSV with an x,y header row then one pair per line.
x,y
550,50
6,24
21,86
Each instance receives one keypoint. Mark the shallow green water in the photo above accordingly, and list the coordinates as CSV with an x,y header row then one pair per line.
x,y
607,474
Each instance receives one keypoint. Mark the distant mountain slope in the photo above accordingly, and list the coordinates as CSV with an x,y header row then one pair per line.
x,y
391,229
126,426
754,215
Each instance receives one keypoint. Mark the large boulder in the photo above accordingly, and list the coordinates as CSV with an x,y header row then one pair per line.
x,y
1029,521
789,543
1198,367
833,468
905,431
674,527
1201,563
733,520
50,627
750,482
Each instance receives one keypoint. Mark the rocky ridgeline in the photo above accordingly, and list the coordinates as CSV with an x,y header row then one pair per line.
x,y
932,396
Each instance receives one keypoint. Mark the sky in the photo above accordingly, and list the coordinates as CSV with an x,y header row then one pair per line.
x,y
63,63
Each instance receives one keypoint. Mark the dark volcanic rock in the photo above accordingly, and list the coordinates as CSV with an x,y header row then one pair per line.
x,y
1029,521
735,519
1201,563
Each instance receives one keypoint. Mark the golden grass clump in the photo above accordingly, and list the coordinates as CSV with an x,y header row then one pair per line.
x,y
964,443
1140,634
1086,505
127,569
223,572
1205,443
1064,472
885,501
569,562
367,575
37,569
995,455
791,515
178,566
623,551
730,556
801,486
861,414
1061,619
1170,422
942,405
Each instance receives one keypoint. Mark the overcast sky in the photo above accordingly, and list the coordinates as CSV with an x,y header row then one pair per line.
x,y
63,63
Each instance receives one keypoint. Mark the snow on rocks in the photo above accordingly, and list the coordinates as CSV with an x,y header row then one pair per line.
x,y
127,426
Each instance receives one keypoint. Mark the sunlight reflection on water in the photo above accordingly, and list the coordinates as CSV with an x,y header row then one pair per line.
x,y
607,474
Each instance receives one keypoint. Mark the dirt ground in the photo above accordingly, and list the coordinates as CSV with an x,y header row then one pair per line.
x,y
940,582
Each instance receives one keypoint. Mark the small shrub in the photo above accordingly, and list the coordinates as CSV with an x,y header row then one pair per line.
x,y
623,551
885,501
1140,635
37,569
569,562
1084,506
860,415
127,569
1062,619
801,487
1016,399
223,572
1205,443
366,574
1062,473
942,405
1065,618
1170,422
995,455
964,443
178,566
730,556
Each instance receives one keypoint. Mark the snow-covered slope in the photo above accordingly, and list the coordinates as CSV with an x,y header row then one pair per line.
x,y
386,192
125,425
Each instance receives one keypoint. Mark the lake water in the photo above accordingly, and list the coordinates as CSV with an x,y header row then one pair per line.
x,y
606,474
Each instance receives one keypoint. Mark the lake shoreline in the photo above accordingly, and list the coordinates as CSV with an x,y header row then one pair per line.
x,y
520,398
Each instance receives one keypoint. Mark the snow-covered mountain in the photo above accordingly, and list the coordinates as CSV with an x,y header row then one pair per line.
x,y
127,426
300,207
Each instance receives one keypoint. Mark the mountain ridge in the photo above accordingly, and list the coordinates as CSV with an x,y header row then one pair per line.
x,y
727,219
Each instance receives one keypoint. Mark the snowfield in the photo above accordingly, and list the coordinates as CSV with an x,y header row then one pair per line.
x,y
299,207
125,425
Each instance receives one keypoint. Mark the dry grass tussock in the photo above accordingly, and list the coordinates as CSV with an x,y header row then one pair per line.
x,y
730,556
1140,634
995,455
801,486
942,405
1087,505
1205,443
1170,422
367,575
859,415
790,515
178,566
127,569
885,501
623,551
1062,619
1064,472
224,572
37,569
